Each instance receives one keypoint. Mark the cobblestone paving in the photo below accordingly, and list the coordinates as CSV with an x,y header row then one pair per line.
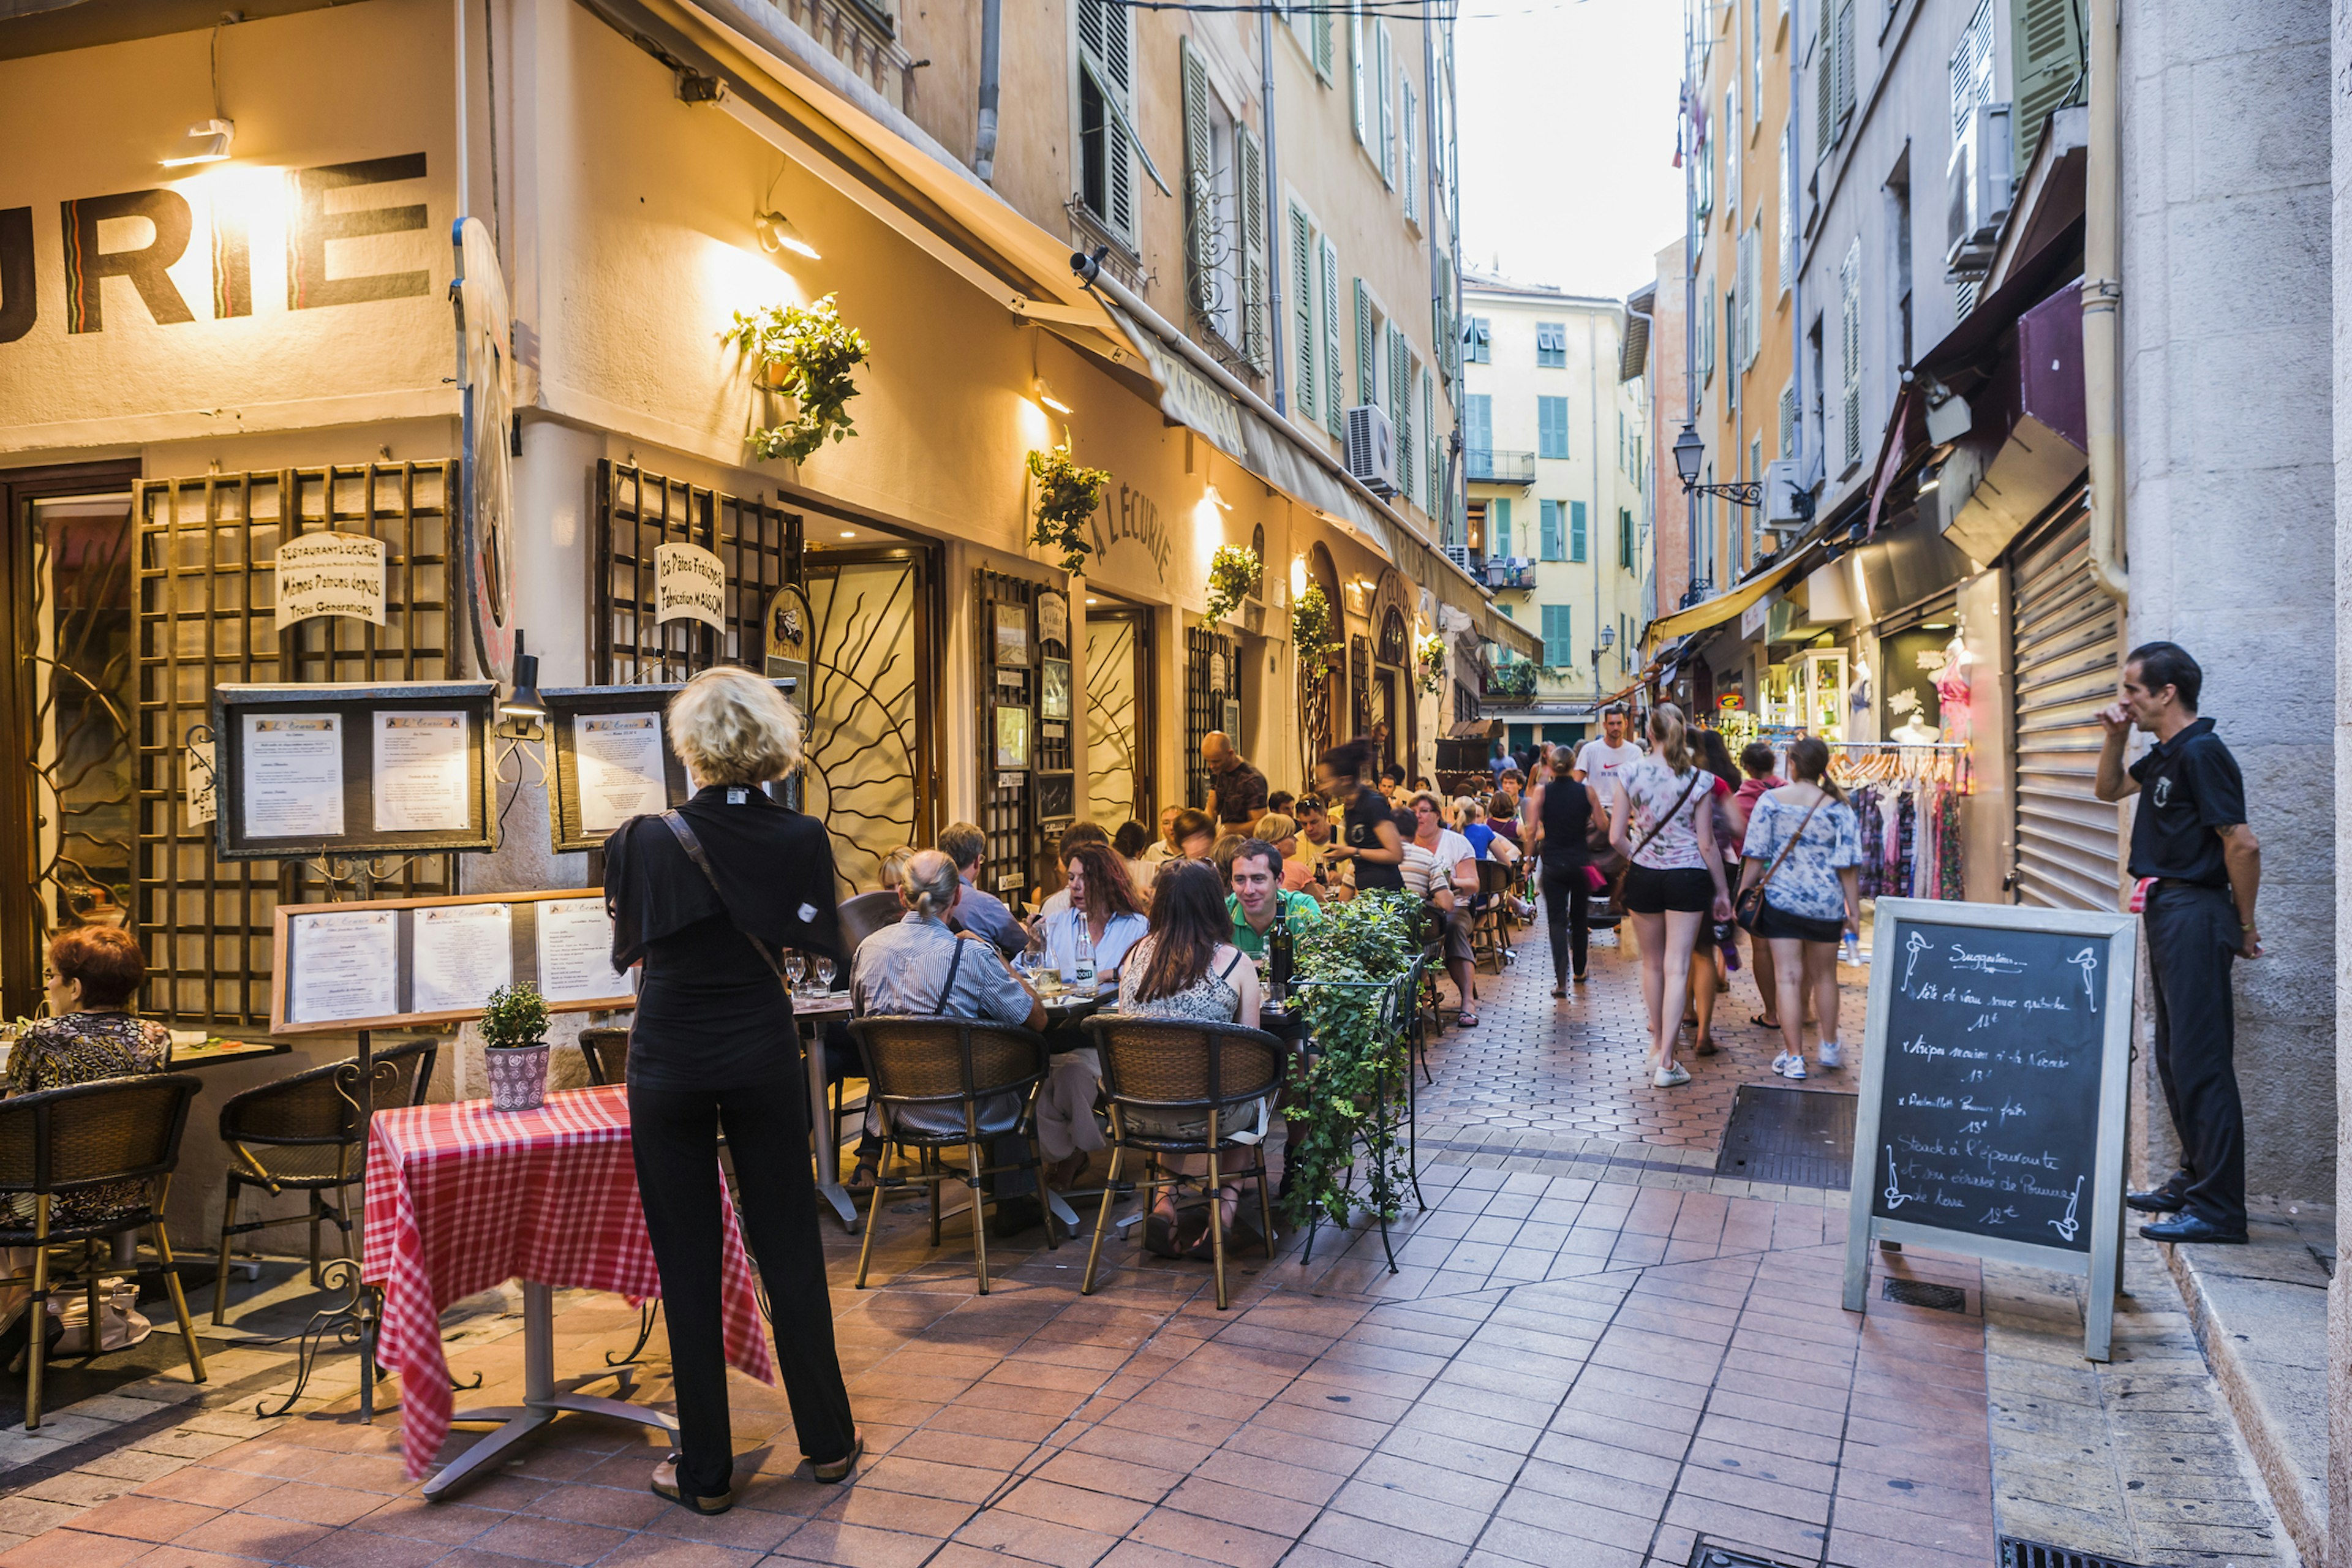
x,y
1594,1353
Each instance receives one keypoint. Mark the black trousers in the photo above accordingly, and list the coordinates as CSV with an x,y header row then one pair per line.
x,y
2192,938
675,1133
1568,903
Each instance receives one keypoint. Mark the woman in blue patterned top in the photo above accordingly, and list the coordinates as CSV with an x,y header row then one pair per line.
x,y
1804,848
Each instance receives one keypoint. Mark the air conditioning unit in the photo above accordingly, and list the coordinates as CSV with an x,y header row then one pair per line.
x,y
1787,503
1459,554
1976,183
1371,449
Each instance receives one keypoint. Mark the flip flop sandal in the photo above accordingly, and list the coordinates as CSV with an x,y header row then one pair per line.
x,y
1761,1022
1466,1020
669,1489
838,1470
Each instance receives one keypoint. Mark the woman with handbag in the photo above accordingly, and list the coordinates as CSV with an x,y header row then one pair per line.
x,y
1799,891
1564,810
1661,819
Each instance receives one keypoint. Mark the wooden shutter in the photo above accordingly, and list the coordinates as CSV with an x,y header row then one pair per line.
x,y
1850,347
1478,421
1430,461
1357,71
1498,511
1548,529
1323,43
1846,65
1788,421
1334,416
1576,536
1551,427
1625,537
1302,313
1824,80
2045,62
1107,54
1397,412
1787,214
1249,170
1560,636
1412,200
1384,61
1200,181
1367,373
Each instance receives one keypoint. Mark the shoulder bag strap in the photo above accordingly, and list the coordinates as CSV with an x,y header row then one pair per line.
x,y
1696,775
694,852
1789,844
948,991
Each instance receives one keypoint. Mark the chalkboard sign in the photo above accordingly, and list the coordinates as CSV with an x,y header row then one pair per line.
x,y
1991,1117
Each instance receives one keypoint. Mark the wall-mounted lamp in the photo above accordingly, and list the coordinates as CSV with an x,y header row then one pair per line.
x,y
1043,392
1931,478
521,713
777,232
1214,498
1297,575
209,143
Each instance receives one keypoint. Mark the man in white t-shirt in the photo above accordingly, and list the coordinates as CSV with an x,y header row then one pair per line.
x,y
1602,758
1454,866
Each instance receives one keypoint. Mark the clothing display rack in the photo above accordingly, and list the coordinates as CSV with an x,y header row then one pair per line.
x,y
1906,795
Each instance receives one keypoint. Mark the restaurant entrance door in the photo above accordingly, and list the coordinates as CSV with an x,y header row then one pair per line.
x,y
68,794
1121,720
872,705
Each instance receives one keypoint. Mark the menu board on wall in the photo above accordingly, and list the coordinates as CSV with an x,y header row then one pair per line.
x,y
610,759
1994,1073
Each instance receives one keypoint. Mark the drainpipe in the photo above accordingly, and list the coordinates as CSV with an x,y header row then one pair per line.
x,y
2102,302
1276,220
991,36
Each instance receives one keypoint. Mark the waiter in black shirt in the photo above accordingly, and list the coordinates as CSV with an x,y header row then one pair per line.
x,y
2205,865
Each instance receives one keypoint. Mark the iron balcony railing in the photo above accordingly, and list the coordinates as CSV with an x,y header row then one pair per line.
x,y
1486,466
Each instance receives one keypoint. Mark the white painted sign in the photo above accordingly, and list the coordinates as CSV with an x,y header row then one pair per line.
x,y
689,584
200,784
330,575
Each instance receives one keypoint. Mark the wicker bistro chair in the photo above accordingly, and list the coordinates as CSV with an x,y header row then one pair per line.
x,y
305,1133
59,1141
960,1066
606,1054
1163,1074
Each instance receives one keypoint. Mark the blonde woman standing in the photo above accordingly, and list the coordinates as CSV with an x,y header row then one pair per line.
x,y
1661,819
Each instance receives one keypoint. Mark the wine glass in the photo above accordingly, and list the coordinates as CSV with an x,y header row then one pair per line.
x,y
823,975
795,968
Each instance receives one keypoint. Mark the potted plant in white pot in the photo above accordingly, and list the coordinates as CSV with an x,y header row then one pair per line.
x,y
514,1028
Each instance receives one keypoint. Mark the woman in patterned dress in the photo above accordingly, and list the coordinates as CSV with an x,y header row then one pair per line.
x,y
92,976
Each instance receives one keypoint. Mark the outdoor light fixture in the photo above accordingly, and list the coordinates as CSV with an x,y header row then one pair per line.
x,y
777,232
1931,478
521,708
210,144
1689,451
1043,392
1214,498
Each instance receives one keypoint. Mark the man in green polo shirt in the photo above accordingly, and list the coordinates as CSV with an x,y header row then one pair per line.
x,y
1257,894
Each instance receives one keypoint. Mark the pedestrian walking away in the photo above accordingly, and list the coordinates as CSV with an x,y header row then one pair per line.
x,y
1661,819
2203,868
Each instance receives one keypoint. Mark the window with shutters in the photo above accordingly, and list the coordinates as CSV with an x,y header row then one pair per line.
x,y
1412,181
1786,176
1322,42
1478,429
1360,71
1225,216
1432,463
1442,337
1499,532
1384,90
1560,636
1304,249
1106,114
1731,330
1625,537
1576,535
1756,58
1750,288
2046,68
1371,349
1850,348
1731,153
1478,340
1333,396
1706,332
1401,375
1551,345
1971,68
1551,427
1788,419
1846,65
1549,546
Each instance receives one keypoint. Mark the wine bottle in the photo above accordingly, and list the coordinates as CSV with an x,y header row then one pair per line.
x,y
1278,952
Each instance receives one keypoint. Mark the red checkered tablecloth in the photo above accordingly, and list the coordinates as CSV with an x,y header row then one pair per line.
x,y
461,1197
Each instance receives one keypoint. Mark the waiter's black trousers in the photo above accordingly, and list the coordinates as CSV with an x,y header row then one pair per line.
x,y
2192,937
1568,901
675,1133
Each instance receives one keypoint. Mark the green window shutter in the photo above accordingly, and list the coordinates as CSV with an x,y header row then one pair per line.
x,y
1430,460
1323,43
1249,168
1576,551
1397,426
1551,427
1560,636
1846,65
1499,535
1358,70
2046,61
1200,181
1411,201
1478,425
1334,398
1383,59
1302,313
1367,373
1625,537
1548,536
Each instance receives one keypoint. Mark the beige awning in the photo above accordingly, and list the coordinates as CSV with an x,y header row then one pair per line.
x,y
1722,608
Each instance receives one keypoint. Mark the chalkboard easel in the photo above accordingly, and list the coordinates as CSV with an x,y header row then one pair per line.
x,y
1995,1081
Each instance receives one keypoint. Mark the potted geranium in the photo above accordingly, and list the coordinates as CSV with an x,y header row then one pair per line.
x,y
514,1028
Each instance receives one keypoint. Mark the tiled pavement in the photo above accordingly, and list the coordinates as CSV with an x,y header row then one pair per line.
x,y
1594,1353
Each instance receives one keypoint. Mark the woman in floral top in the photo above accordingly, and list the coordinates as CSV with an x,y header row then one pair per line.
x,y
1810,896
93,974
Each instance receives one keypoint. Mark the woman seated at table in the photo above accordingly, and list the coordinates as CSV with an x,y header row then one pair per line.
x,y
1133,842
1104,900
1188,968
713,1046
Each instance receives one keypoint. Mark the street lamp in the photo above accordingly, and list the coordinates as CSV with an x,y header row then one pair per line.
x,y
1689,451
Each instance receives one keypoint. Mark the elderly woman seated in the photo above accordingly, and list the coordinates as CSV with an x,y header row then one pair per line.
x,y
1103,904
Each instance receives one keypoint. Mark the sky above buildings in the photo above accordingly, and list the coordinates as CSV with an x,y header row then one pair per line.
x,y
1568,139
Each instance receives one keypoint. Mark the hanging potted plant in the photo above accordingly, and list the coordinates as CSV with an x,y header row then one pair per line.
x,y
1429,663
807,354
1235,572
514,1028
1067,493
1311,632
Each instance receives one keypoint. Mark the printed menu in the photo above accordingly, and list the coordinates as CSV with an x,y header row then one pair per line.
x,y
422,780
293,775
343,965
459,954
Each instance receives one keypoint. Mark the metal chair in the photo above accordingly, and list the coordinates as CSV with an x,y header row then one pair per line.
x,y
964,1066
1166,1074
306,1134
1490,935
606,1054
859,917
87,1137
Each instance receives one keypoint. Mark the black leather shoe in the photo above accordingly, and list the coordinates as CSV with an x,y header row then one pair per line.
x,y
2190,1228
2162,1200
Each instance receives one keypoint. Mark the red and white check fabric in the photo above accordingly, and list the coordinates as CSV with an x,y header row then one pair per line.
x,y
461,1197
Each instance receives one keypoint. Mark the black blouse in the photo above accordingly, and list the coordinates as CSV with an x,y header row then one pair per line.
x,y
1361,826
710,1012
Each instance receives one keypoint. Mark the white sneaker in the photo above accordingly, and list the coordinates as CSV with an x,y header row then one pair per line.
x,y
1672,1076
1780,1062
1796,1067
1830,1054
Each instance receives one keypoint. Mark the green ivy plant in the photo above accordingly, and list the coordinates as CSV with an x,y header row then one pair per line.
x,y
1235,572
1067,493
1343,1156
514,1016
807,354
1429,663
1516,678
1312,632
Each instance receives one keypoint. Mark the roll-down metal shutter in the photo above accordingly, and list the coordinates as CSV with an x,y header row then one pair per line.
x,y
2068,647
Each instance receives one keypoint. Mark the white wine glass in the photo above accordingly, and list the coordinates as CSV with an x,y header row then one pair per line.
x,y
795,968
823,975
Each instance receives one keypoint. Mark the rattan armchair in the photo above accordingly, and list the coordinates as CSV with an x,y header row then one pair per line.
x,y
305,1133
62,1141
1163,1074
968,1069
606,1054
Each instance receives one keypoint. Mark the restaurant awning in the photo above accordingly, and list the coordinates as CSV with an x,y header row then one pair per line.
x,y
1723,607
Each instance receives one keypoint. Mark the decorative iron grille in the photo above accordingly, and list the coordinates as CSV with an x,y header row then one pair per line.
x,y
869,707
759,544
206,607
1360,686
1008,805
1212,684
1119,718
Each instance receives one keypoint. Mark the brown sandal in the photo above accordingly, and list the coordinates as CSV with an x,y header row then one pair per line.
x,y
666,1487
837,1470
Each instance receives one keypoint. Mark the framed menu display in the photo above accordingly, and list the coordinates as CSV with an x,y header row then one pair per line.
x,y
395,963
610,759
340,769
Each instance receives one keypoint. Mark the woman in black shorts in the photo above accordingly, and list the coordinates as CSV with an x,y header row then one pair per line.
x,y
1661,819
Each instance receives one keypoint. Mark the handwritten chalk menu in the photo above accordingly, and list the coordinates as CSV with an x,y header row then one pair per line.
x,y
393,962
1993,1081
331,769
